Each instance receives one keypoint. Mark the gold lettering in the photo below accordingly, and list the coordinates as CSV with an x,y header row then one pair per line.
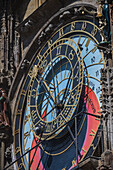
x,y
69,115
33,111
26,119
71,55
65,113
17,131
34,115
34,90
88,41
93,51
60,121
49,43
94,31
30,73
27,149
39,57
73,26
61,32
79,39
23,92
33,95
71,99
59,50
20,165
19,112
17,150
44,64
84,25
55,122
26,134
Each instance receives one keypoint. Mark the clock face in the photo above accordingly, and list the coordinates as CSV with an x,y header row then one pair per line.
x,y
63,80
55,87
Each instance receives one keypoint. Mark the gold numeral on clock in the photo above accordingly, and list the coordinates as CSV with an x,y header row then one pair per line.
x,y
39,57
48,128
33,95
23,92
71,55
94,31
61,32
27,150
17,150
26,119
59,50
17,131
34,115
19,112
72,26
44,64
87,43
34,90
84,25
26,134
49,43
79,39
20,166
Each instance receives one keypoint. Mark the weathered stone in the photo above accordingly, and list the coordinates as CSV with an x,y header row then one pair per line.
x,y
106,162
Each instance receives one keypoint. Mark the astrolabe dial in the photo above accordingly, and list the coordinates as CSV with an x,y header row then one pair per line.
x,y
63,80
55,87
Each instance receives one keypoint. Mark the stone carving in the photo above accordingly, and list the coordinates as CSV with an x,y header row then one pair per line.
x,y
24,65
84,10
65,15
106,162
112,14
4,120
48,29
42,36
8,154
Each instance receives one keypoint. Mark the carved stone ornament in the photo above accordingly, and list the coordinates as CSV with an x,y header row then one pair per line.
x,y
4,120
106,162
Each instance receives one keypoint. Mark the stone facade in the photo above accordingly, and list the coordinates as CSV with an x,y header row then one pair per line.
x,y
106,162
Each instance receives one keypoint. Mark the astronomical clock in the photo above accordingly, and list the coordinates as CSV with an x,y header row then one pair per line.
x,y
61,83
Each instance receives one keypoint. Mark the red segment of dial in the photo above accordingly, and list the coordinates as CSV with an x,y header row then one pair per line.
x,y
35,154
93,107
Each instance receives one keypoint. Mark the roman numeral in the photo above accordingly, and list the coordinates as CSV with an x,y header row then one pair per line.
x,y
84,25
59,50
72,26
26,134
61,32
92,133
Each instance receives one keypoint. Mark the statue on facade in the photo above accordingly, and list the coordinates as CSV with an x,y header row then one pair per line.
x,y
4,119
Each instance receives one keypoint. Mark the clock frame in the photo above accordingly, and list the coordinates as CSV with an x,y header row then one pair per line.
x,y
83,36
